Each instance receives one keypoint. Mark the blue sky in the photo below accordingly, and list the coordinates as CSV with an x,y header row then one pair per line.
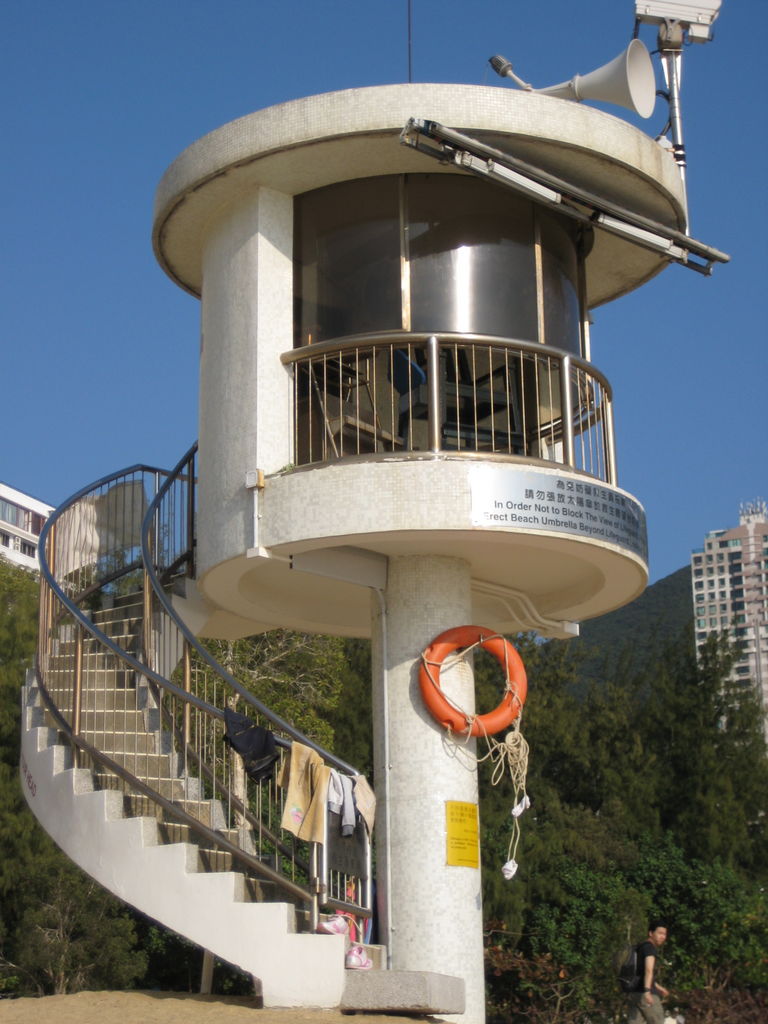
x,y
99,348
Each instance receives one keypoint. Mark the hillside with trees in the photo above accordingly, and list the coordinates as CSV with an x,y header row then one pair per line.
x,y
647,775
636,635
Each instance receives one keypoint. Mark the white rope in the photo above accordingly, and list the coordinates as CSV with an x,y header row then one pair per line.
x,y
510,755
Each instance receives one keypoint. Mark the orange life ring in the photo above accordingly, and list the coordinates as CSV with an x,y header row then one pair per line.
x,y
451,717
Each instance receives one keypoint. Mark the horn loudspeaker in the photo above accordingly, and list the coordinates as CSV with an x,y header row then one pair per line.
x,y
628,80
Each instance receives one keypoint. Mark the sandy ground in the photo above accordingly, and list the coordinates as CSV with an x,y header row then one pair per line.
x,y
169,1008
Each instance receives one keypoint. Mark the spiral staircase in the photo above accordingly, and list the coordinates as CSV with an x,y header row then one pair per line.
x,y
126,765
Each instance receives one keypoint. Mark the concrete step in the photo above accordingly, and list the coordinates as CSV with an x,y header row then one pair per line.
x,y
94,677
97,657
66,645
118,626
127,604
119,612
119,745
402,992
106,698
129,620
208,812
155,768
99,720
220,860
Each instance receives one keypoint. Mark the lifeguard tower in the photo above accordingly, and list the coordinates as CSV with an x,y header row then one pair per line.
x,y
401,431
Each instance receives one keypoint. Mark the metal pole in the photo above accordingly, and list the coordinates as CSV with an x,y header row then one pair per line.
x,y
566,409
610,442
206,974
671,35
49,598
191,516
147,615
318,882
77,691
187,707
435,415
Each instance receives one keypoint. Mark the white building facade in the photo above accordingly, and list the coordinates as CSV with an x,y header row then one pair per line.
x,y
22,517
730,592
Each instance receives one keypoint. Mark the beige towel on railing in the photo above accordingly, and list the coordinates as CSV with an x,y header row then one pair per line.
x,y
305,776
365,800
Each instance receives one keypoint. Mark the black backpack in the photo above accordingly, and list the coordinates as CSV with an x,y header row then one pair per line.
x,y
629,971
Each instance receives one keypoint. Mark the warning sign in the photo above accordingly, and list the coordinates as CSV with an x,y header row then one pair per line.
x,y
462,835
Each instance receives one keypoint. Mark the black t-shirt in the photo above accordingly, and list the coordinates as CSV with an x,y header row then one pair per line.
x,y
644,950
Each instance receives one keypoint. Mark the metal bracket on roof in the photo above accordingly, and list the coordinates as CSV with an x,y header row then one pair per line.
x,y
468,154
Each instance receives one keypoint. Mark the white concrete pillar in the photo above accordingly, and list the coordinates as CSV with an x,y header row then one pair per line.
x,y
245,391
432,912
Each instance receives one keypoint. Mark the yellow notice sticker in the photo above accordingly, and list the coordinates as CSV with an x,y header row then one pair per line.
x,y
462,835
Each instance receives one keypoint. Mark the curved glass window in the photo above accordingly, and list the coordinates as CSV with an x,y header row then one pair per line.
x,y
433,253
470,251
559,248
347,260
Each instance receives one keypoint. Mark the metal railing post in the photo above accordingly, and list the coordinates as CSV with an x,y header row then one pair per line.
x,y
190,538
317,882
186,730
146,604
77,690
435,413
51,552
610,442
566,408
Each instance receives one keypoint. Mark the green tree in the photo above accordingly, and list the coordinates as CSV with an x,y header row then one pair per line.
x,y
610,837
706,744
19,834
77,936
718,920
58,930
584,930
352,717
18,633
296,675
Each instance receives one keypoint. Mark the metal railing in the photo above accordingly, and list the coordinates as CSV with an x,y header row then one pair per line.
x,y
168,555
468,395
143,703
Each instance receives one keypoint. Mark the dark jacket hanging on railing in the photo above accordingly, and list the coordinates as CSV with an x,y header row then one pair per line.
x,y
255,744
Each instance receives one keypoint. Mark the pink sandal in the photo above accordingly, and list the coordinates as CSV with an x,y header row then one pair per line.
x,y
336,925
356,960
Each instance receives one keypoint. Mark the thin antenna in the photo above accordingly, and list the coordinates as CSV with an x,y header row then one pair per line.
x,y
410,41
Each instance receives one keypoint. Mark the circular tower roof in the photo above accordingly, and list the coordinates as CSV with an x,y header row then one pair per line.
x,y
320,140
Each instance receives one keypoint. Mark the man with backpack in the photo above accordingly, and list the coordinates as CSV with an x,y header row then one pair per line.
x,y
644,1001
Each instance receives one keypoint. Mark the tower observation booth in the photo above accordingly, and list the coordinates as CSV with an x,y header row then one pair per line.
x,y
401,428
376,323
385,264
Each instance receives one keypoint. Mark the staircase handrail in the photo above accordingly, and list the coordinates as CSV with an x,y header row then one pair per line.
x,y
178,813
206,656
82,618
71,607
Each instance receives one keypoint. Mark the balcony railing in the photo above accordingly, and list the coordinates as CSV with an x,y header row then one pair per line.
x,y
467,395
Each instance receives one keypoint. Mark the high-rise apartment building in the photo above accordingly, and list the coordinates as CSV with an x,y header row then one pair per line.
x,y
730,592
22,517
